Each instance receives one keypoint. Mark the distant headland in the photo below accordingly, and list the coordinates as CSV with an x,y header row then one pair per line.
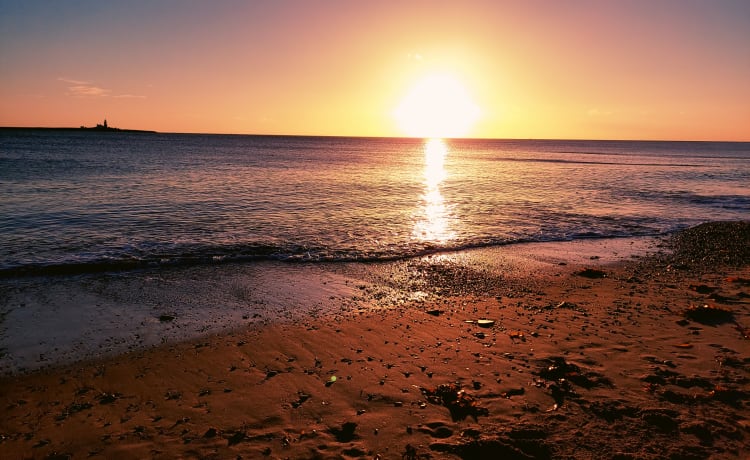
x,y
99,127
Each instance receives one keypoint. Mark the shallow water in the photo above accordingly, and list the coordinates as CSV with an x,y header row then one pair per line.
x,y
85,201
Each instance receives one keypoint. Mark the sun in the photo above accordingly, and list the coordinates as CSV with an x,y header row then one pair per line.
x,y
438,106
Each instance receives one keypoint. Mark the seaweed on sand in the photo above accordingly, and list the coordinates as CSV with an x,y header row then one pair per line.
x,y
459,403
558,376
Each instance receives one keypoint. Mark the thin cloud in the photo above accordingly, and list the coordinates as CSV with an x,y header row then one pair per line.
x,y
129,96
82,88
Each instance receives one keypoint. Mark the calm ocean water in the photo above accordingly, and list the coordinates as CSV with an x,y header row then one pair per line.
x,y
86,201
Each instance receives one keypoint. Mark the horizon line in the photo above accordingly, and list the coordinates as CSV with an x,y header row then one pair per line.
x,y
145,131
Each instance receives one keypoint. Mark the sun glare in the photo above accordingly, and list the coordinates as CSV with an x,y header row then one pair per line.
x,y
437,107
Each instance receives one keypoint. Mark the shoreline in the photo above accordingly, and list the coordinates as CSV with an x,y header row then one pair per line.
x,y
587,358
90,316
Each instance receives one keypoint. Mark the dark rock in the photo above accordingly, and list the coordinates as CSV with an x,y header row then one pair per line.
x,y
271,374
730,396
354,452
702,288
662,421
236,438
345,433
612,410
675,397
700,430
709,314
591,273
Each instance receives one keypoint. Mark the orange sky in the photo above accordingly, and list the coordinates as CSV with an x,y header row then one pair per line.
x,y
556,69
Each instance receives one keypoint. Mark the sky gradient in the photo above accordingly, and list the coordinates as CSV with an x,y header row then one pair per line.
x,y
677,70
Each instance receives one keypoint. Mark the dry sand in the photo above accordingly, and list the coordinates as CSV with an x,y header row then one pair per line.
x,y
586,358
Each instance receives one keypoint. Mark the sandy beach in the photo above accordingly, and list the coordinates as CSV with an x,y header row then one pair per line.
x,y
616,349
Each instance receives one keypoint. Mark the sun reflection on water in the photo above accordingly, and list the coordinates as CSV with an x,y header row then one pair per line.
x,y
433,222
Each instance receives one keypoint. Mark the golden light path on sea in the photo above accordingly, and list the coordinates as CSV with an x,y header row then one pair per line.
x,y
433,226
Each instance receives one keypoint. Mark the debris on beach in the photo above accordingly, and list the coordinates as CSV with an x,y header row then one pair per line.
x,y
558,376
73,409
702,288
566,304
458,402
591,273
109,398
660,380
271,373
557,368
709,314
302,398
481,322
345,433
236,438
410,453
517,335
713,243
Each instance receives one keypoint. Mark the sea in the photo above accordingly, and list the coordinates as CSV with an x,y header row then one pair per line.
x,y
86,202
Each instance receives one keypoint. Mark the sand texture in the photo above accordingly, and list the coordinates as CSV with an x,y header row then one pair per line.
x,y
636,359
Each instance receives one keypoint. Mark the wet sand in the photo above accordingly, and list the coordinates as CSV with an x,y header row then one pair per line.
x,y
588,353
